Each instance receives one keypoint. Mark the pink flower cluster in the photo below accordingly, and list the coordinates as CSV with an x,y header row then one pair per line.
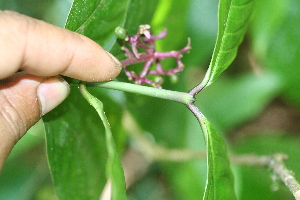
x,y
143,50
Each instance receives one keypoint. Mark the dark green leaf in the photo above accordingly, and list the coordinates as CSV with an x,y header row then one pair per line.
x,y
76,146
75,138
114,170
234,16
97,19
140,12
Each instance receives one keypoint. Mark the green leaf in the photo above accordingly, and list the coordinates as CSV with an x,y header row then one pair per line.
x,y
219,183
97,19
75,146
139,12
114,170
234,16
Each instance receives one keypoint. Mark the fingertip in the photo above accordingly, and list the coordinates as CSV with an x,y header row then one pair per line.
x,y
92,63
117,66
43,49
51,93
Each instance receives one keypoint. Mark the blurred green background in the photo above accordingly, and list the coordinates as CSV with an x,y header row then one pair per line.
x,y
254,104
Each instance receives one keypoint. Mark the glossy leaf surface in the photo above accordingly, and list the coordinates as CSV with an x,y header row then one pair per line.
x,y
98,19
75,135
233,19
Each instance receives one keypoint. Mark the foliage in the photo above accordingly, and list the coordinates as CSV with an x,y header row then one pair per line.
x,y
263,74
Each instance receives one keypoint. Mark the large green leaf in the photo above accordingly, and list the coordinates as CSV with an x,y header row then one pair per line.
x,y
219,184
97,19
75,138
76,146
234,16
114,170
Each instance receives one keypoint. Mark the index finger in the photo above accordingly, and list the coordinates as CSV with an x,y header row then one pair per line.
x,y
43,49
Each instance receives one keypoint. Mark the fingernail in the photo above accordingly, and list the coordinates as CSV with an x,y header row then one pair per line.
x,y
114,59
52,92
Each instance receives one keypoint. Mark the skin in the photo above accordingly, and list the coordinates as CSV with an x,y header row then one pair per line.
x,y
41,51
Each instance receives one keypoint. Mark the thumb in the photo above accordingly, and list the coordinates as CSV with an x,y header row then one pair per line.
x,y
24,98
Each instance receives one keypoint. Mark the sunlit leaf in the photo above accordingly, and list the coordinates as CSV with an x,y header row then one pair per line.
x,y
97,19
234,16
219,183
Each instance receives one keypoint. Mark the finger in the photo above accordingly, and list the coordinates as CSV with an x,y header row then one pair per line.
x,y
23,99
43,49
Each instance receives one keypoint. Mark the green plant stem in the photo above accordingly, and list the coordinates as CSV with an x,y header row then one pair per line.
x,y
114,170
98,105
286,175
155,152
181,97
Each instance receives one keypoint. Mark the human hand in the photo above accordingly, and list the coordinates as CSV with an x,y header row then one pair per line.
x,y
42,51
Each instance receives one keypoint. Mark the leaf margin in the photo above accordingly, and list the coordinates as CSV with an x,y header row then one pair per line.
x,y
226,21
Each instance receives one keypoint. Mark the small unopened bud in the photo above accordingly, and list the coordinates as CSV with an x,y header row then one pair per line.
x,y
120,32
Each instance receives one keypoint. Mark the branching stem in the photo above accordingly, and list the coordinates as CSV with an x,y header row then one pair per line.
x,y
155,152
275,162
287,176
197,89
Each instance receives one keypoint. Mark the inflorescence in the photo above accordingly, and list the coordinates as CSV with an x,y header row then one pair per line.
x,y
143,50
